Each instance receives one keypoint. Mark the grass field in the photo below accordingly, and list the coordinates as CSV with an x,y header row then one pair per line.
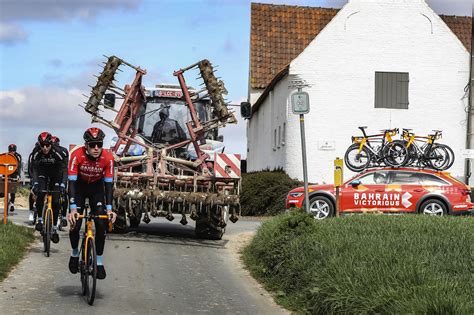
x,y
14,241
366,264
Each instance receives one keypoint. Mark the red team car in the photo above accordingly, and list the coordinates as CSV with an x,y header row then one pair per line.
x,y
389,190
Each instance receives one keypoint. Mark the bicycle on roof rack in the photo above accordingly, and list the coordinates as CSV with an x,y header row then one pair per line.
x,y
375,151
423,151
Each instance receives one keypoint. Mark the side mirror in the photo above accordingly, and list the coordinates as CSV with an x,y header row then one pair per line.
x,y
245,110
109,100
355,183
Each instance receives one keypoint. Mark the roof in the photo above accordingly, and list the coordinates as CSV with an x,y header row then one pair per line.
x,y
461,27
279,33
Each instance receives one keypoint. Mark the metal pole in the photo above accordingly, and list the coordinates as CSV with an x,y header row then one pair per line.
x,y
470,132
305,168
5,197
337,201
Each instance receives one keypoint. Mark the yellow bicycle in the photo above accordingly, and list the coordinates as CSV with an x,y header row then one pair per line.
x,y
88,256
47,231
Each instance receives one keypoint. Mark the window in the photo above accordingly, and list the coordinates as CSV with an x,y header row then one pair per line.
x,y
432,180
391,90
283,137
375,178
406,178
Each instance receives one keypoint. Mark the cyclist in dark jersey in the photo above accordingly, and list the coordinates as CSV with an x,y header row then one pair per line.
x,y
48,165
90,173
56,142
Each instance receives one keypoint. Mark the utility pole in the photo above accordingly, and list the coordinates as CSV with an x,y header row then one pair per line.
x,y
470,111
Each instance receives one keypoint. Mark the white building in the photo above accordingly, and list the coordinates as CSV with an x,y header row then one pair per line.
x,y
416,60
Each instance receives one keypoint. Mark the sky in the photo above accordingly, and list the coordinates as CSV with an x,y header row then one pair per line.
x,y
50,51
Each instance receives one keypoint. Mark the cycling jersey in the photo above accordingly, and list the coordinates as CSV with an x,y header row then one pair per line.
x,y
53,164
84,167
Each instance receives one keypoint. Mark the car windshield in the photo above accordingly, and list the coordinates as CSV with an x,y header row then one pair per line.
x,y
177,111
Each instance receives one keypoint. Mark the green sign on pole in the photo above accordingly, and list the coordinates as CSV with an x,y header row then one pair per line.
x,y
300,103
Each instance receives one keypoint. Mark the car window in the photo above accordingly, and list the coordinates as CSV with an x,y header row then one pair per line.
x,y
374,178
406,178
432,180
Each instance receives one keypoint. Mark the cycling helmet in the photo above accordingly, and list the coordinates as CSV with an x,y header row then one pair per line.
x,y
44,138
55,140
12,148
94,134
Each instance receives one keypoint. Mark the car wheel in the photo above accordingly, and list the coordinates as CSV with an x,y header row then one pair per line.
x,y
433,207
321,207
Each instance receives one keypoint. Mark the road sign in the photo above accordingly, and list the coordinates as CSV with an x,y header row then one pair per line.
x,y
468,153
8,164
300,103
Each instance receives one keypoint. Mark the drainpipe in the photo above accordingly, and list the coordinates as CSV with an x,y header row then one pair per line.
x,y
470,112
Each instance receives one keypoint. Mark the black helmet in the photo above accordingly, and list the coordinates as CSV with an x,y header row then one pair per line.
x,y
94,134
44,138
55,140
12,148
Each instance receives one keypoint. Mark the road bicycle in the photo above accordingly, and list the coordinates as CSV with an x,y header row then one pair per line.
x,y
47,231
88,255
423,151
375,150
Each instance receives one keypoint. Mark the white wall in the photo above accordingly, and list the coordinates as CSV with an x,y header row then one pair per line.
x,y
368,36
271,116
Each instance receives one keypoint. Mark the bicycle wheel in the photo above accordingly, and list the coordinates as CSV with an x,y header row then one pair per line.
x,y
395,154
48,226
451,156
91,271
82,269
357,161
438,158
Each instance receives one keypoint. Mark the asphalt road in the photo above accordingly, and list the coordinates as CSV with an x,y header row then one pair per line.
x,y
158,269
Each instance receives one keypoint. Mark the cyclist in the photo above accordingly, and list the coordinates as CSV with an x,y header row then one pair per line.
x,y
90,174
47,165
16,175
56,142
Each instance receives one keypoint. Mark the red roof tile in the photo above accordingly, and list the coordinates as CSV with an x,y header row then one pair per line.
x,y
279,33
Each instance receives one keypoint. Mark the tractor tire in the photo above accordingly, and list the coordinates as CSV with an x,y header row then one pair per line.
x,y
120,225
209,229
135,220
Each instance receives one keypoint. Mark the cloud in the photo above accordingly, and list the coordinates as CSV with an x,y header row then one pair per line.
x,y
11,34
13,13
48,10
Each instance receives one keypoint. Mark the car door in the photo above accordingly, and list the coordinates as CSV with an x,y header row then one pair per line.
x,y
367,195
406,188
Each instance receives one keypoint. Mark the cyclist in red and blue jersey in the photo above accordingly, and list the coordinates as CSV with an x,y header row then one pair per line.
x,y
90,174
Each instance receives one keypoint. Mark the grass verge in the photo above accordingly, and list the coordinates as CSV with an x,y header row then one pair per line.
x,y
366,264
14,241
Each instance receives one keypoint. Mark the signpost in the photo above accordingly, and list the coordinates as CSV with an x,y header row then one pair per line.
x,y
300,106
8,165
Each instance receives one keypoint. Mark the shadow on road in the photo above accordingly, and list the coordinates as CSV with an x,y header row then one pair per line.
x,y
167,233
74,290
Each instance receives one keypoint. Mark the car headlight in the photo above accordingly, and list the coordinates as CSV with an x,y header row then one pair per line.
x,y
296,195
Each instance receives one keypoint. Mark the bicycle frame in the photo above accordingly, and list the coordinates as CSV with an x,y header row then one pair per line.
x,y
88,234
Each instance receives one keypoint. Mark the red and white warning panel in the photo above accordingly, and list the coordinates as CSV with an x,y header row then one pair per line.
x,y
227,165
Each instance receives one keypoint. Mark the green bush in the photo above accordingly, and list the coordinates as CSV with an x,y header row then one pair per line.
x,y
264,193
366,264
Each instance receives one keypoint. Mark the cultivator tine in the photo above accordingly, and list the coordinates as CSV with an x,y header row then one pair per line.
x,y
215,89
103,82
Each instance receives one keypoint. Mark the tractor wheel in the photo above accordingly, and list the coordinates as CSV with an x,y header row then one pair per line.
x,y
120,225
212,229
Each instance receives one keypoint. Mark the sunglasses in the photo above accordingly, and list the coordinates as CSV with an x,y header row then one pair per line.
x,y
92,145
45,145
